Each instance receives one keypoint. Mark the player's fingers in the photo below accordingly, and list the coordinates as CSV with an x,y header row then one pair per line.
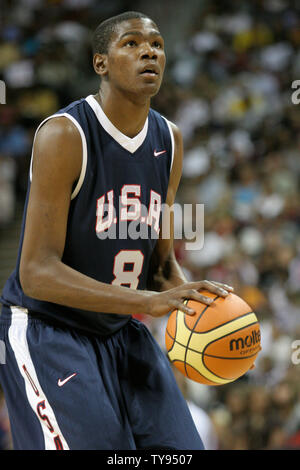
x,y
182,306
195,295
223,286
214,288
196,285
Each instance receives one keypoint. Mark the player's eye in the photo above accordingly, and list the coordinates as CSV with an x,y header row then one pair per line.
x,y
157,44
131,43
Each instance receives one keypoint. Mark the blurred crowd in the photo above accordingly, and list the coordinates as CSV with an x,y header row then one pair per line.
x,y
228,86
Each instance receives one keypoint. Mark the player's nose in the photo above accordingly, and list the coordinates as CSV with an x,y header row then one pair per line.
x,y
148,52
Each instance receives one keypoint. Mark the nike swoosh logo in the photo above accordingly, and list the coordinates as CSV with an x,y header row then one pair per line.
x,y
60,382
156,154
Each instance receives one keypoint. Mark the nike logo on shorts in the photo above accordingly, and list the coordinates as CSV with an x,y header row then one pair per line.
x,y
60,382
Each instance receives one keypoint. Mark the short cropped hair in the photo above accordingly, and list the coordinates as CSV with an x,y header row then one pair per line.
x,y
104,31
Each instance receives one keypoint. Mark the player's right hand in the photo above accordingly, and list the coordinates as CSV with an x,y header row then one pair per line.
x,y
161,303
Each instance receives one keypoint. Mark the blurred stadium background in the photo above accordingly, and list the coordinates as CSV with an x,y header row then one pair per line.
x,y
228,86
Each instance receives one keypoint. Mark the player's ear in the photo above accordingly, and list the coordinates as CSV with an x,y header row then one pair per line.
x,y
100,64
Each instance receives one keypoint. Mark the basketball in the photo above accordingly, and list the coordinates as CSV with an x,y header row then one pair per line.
x,y
216,345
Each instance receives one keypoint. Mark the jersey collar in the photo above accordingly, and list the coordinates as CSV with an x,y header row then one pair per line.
x,y
129,144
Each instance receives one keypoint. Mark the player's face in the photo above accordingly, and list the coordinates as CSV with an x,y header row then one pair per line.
x,y
136,58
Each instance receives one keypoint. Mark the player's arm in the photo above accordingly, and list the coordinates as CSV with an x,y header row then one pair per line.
x,y
57,161
165,272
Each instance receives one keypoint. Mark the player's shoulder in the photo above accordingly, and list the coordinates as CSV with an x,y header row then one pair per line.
x,y
61,123
57,149
57,128
58,140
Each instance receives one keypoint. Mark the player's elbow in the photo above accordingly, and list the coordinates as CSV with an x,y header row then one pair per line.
x,y
32,278
27,278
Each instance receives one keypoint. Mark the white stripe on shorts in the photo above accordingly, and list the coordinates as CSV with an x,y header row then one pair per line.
x,y
36,397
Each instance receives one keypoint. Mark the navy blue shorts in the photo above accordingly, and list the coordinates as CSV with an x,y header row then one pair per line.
x,y
67,390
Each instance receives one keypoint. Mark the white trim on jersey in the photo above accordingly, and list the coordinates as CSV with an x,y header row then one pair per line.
x,y
128,143
17,335
172,141
84,150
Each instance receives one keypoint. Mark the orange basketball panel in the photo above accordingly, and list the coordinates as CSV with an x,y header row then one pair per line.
x,y
180,366
230,369
169,340
221,311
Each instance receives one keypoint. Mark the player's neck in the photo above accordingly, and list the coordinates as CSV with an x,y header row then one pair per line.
x,y
126,114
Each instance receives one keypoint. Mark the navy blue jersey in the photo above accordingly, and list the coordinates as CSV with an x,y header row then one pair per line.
x,y
115,212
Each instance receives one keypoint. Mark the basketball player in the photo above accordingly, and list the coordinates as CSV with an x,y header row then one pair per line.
x,y
80,372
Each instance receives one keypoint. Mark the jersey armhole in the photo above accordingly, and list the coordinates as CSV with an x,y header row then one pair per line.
x,y
172,141
84,151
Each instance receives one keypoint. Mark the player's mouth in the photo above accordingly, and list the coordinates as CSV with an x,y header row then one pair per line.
x,y
149,71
